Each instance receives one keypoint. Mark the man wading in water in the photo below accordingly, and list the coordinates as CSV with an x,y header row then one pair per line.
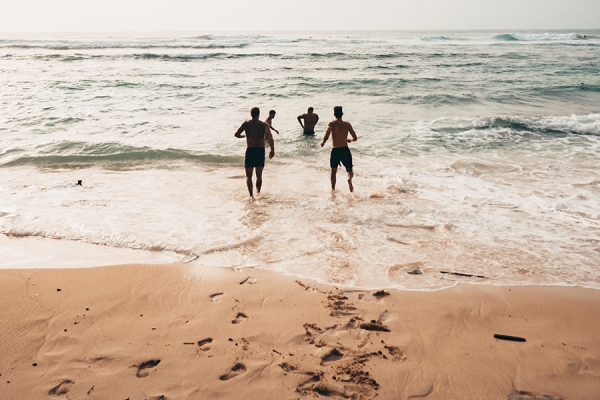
x,y
310,121
340,153
256,132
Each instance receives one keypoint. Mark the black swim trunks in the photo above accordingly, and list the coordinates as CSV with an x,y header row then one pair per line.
x,y
309,132
341,155
255,157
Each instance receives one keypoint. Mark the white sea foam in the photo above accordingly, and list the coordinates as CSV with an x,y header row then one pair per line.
x,y
546,36
580,124
524,225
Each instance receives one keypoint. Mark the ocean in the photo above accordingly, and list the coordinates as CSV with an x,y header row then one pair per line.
x,y
477,157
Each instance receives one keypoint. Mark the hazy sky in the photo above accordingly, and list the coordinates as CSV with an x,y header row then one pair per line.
x,y
261,15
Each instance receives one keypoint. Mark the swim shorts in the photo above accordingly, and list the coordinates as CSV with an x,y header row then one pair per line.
x,y
309,132
341,155
255,157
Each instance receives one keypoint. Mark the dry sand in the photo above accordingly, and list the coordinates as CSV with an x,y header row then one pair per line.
x,y
179,332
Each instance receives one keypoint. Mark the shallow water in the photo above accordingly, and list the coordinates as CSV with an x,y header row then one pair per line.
x,y
477,154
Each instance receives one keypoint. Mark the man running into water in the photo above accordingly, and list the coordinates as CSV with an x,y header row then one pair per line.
x,y
310,121
340,153
269,120
256,132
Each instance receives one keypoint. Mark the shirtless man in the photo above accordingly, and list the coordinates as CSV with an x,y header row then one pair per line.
x,y
256,133
310,120
340,153
269,120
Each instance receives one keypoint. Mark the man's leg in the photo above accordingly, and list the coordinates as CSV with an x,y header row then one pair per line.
x,y
350,176
333,173
258,178
249,180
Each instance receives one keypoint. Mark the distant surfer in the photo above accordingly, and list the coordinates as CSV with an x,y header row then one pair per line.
x,y
256,133
310,121
269,120
340,153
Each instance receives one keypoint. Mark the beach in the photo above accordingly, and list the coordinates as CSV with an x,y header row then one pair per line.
x,y
180,332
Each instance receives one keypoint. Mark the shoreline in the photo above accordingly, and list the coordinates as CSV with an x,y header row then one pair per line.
x,y
183,332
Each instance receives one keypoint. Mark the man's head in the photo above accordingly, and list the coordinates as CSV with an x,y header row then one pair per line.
x,y
337,111
255,112
310,110
272,113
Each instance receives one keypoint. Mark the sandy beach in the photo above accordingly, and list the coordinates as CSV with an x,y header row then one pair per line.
x,y
181,332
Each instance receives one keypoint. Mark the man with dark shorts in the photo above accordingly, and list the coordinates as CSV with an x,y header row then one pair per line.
x,y
256,133
340,153
310,121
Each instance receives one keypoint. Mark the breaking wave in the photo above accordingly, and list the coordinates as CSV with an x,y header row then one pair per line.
x,y
76,154
550,125
433,38
540,36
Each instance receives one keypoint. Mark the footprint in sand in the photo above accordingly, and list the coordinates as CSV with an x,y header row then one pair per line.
x,y
396,353
239,318
248,280
374,326
216,297
203,344
337,303
61,389
236,370
384,315
141,369
287,367
332,356
524,395
380,294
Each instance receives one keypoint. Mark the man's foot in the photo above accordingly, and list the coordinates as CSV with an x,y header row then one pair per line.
x,y
350,185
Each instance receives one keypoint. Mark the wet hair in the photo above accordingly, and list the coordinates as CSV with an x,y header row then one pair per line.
x,y
272,112
310,109
255,112
337,111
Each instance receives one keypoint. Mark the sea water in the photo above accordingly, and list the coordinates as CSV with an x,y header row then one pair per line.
x,y
477,153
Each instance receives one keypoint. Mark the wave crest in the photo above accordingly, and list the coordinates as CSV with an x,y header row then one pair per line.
x,y
530,37
434,38
76,154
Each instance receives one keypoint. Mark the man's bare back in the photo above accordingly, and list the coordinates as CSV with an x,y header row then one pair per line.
x,y
339,133
310,121
256,132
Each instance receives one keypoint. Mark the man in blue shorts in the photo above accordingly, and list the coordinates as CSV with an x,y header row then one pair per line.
x,y
256,133
340,153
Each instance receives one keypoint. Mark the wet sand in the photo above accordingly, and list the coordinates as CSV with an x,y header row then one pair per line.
x,y
180,332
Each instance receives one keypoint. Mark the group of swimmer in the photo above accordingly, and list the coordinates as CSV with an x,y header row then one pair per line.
x,y
257,132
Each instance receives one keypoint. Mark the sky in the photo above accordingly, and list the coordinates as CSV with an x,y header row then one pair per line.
x,y
267,15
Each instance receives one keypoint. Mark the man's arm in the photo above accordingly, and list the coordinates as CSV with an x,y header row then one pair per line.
x,y
327,133
351,130
269,138
271,126
241,129
317,119
300,120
